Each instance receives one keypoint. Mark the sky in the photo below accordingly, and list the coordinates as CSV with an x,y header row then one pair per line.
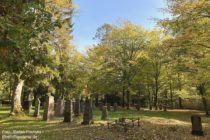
x,y
91,14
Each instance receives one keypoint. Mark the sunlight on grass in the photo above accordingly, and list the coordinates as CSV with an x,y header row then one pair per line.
x,y
158,122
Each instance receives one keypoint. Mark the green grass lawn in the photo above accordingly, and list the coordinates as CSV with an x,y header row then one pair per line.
x,y
173,124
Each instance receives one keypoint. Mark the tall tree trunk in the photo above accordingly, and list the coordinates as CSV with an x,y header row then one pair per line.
x,y
155,101
16,96
201,89
165,101
123,97
180,88
149,98
171,95
156,94
180,103
96,99
128,99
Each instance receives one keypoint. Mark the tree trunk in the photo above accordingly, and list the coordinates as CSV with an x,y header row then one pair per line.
x,y
171,95
202,91
123,97
180,103
96,99
155,101
156,93
128,99
149,98
165,102
16,96
180,89
205,105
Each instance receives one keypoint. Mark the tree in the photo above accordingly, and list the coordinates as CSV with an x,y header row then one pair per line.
x,y
190,27
26,28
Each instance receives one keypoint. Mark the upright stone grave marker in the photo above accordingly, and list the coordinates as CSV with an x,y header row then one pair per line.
x,y
115,106
196,125
27,104
104,113
48,108
82,106
108,107
100,106
37,107
93,105
68,111
59,108
77,107
88,113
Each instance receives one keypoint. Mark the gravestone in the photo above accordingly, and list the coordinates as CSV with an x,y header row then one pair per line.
x,y
82,106
93,105
48,108
108,106
196,125
88,113
164,107
59,107
27,104
104,113
138,107
115,106
77,107
68,111
73,105
37,107
150,107
160,106
100,106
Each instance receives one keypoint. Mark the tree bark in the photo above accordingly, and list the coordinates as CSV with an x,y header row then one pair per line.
x,y
180,103
156,93
123,97
202,91
96,99
16,96
180,89
171,95
128,99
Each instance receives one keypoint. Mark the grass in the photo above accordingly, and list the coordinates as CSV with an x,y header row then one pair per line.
x,y
173,124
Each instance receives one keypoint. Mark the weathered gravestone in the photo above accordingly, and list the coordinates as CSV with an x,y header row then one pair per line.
x,y
108,106
164,107
160,106
196,125
115,106
93,105
73,105
104,113
27,103
88,113
138,106
100,105
59,107
37,107
77,110
82,106
48,108
68,111
150,107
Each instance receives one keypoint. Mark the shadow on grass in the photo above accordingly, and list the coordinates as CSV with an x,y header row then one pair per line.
x,y
180,115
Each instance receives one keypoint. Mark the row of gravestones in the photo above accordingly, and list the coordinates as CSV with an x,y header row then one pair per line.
x,y
67,109
108,106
